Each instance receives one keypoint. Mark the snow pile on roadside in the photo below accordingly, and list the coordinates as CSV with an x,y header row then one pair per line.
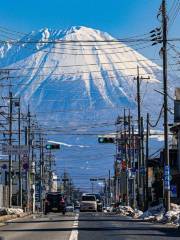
x,y
155,213
128,211
158,214
124,210
10,211
172,216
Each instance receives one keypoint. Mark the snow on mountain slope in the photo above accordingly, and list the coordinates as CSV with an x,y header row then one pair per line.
x,y
99,73
79,83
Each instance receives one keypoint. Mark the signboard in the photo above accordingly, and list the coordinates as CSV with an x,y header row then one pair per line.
x,y
142,171
177,111
167,177
14,149
173,191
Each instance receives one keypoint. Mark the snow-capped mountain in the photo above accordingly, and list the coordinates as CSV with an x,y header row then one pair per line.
x,y
80,79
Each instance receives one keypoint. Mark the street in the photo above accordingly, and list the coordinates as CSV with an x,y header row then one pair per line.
x,y
85,226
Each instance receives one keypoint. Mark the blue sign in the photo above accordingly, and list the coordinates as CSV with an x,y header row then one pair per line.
x,y
4,166
173,191
142,170
133,170
167,177
26,166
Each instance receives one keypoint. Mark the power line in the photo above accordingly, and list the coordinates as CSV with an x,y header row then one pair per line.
x,y
80,65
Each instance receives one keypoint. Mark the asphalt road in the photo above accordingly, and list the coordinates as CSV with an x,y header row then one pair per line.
x,y
111,227
50,227
85,226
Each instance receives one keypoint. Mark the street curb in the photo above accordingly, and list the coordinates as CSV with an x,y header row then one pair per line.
x,y
4,219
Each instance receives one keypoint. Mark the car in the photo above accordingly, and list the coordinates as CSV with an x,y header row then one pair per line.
x,y
70,208
88,203
98,200
76,205
54,202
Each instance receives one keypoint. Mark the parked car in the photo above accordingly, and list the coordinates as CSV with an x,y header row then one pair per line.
x,y
88,203
54,202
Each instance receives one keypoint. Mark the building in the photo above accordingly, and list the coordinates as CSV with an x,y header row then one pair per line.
x,y
175,151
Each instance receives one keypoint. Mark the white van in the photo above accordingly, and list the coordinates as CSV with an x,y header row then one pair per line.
x,y
88,203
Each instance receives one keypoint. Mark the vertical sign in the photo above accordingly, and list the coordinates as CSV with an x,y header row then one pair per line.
x,y
167,177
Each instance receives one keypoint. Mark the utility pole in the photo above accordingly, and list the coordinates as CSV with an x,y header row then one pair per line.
x,y
126,159
134,167
19,156
139,177
33,188
10,143
109,188
129,165
146,165
41,171
143,171
166,146
29,143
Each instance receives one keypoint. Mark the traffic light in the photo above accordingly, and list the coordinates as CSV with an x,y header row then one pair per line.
x,y
106,140
52,146
93,179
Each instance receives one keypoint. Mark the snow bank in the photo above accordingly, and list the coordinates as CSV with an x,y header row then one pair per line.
x,y
128,211
172,216
10,211
156,213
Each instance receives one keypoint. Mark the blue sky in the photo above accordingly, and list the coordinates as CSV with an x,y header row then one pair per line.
x,y
120,18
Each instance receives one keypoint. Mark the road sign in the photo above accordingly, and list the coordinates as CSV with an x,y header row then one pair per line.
x,y
14,149
4,166
167,177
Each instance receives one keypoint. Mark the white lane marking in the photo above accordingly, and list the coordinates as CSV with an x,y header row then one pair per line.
x,y
74,232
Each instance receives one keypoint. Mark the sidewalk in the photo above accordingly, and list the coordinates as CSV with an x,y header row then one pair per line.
x,y
5,218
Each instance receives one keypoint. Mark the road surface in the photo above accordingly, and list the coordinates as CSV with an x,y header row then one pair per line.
x,y
85,226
